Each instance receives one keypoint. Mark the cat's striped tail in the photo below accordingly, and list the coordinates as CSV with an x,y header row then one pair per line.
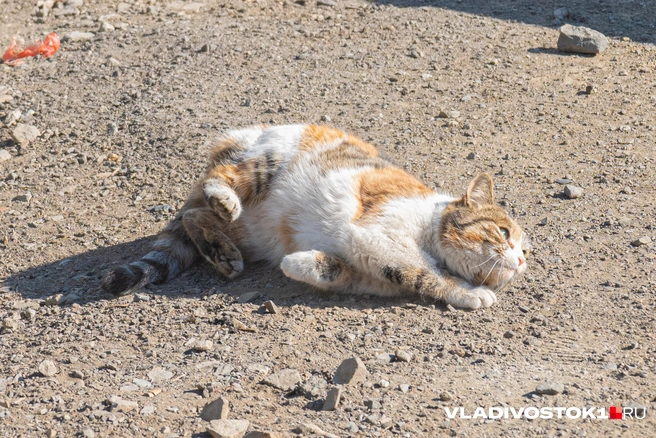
x,y
172,253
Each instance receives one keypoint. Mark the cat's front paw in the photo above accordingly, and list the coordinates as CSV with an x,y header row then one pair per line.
x,y
222,199
472,299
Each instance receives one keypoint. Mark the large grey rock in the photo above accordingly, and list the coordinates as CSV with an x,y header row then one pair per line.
x,y
48,368
579,39
216,410
4,155
333,398
550,388
350,372
285,380
24,134
573,192
78,36
228,428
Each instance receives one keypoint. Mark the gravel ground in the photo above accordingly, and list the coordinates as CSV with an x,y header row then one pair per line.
x,y
125,116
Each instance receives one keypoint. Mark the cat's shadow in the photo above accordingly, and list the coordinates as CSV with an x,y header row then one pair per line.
x,y
80,275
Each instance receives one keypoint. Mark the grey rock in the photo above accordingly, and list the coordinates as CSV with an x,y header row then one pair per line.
x,y
644,240
403,356
350,372
147,410
561,13
29,314
69,299
333,398
112,128
373,404
106,27
563,181
312,429
509,334
4,155
159,375
404,387
578,39
117,404
78,36
142,383
218,409
270,307
314,387
550,388
445,396
47,368
76,3
573,192
228,428
285,380
87,432
259,434
205,345
385,358
4,413
65,11
449,114
23,134
331,3
77,374
141,297
13,117
248,297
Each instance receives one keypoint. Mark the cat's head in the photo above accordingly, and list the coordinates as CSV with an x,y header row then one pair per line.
x,y
480,242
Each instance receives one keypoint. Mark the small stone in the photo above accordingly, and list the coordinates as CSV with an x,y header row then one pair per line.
x,y
373,404
471,156
78,36
524,309
644,240
560,13
285,380
147,410
509,334
112,128
248,297
333,398
51,433
129,388
77,374
28,314
404,387
141,297
159,375
205,345
228,428
312,429
117,404
23,134
237,324
259,434
216,410
590,89
573,192
4,98
563,181
13,117
106,27
403,356
47,368
53,300
270,307
385,358
314,387
449,114
142,383
550,388
87,432
445,396
350,372
4,155
579,39
331,3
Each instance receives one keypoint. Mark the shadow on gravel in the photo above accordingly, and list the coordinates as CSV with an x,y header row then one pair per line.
x,y
635,19
80,275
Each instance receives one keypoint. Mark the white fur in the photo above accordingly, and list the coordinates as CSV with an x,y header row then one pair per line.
x,y
321,207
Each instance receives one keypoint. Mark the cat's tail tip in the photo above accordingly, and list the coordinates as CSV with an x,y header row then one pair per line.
x,y
155,267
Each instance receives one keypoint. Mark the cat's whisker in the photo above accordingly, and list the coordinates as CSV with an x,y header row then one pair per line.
x,y
481,264
491,269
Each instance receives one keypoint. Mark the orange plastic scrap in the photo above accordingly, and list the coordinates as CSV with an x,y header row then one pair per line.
x,y
15,53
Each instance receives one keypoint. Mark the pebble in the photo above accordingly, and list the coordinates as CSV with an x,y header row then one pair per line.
x,y
644,240
550,388
216,410
270,307
142,383
445,396
205,345
449,114
78,36
350,372
403,356
573,192
314,387
509,334
385,358
228,428
117,404
404,387
129,388
29,314
4,155
87,432
333,398
47,368
159,375
53,300
579,39
141,297
312,429
4,98
285,380
77,374
471,156
13,117
560,13
259,434
331,3
563,181
23,134
147,410
248,297
106,27
524,309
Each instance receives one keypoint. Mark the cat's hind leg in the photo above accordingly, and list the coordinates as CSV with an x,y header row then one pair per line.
x,y
317,269
203,227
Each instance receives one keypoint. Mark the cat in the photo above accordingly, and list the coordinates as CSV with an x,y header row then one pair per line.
x,y
323,206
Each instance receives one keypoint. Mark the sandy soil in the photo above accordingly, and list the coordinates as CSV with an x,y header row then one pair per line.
x,y
127,116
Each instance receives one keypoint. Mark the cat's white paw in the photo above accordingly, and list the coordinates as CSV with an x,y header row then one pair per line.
x,y
472,299
223,200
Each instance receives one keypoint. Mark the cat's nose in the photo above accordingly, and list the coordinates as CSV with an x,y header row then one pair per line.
x,y
522,260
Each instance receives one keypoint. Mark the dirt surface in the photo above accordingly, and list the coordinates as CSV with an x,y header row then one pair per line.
x,y
126,119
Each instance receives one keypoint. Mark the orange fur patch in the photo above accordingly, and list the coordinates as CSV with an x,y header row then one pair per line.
x,y
376,187
372,151
317,135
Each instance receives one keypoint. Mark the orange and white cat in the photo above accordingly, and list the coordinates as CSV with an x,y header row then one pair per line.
x,y
324,207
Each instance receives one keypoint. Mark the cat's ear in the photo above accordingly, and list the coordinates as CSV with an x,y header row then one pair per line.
x,y
480,191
